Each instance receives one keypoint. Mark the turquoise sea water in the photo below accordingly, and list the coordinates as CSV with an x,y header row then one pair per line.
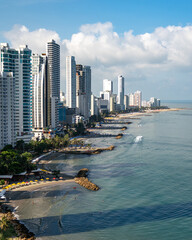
x,y
146,187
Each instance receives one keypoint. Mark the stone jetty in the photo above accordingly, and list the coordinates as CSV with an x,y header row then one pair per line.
x,y
88,151
120,135
82,180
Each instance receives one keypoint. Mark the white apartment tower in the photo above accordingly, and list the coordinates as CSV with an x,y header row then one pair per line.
x,y
41,97
7,109
53,56
70,82
107,86
19,63
131,99
121,91
138,98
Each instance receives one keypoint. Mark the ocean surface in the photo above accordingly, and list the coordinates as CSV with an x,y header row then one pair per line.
x,y
146,186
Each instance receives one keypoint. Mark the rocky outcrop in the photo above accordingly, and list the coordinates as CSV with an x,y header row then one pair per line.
x,y
88,151
120,135
84,182
82,173
81,179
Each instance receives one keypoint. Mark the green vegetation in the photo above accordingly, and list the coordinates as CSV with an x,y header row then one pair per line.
x,y
14,161
6,229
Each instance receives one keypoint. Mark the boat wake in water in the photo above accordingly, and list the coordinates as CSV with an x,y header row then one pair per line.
x,y
138,139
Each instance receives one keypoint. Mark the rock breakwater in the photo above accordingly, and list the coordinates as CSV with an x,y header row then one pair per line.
x,y
82,180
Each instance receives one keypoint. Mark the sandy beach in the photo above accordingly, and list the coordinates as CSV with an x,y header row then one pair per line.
x,y
147,112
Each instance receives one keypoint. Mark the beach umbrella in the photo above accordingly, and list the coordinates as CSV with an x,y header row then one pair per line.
x,y
61,178
36,180
47,179
42,179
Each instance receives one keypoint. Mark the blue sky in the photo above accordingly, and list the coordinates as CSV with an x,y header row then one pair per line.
x,y
66,16
162,61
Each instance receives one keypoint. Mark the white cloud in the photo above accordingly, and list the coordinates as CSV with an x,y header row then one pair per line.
x,y
152,62
36,40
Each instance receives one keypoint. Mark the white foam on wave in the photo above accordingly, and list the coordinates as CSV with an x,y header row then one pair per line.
x,y
138,139
14,214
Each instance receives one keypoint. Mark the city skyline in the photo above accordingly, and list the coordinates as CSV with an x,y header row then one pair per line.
x,y
153,56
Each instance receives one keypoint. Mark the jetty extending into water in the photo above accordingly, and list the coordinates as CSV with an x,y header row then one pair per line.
x,y
89,151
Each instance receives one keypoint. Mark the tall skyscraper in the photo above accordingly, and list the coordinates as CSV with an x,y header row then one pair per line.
x,y
126,101
131,99
80,80
70,82
107,86
138,98
41,96
53,56
121,91
81,94
19,63
7,109
87,72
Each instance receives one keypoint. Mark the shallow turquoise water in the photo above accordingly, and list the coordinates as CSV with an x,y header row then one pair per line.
x,y
146,187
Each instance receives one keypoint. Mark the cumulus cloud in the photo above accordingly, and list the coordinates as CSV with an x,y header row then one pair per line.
x,y
36,40
152,62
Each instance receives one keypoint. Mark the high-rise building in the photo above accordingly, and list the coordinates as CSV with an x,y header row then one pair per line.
x,y
70,82
80,80
81,94
107,86
138,98
87,72
19,63
53,56
107,91
7,109
131,99
94,105
126,101
37,61
121,91
41,96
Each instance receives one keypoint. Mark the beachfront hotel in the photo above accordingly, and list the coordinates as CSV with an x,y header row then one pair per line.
x,y
18,62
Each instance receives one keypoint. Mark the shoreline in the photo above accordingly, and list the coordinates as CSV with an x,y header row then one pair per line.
x,y
8,208
50,155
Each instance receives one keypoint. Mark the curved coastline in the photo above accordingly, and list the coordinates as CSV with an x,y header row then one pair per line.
x,y
38,186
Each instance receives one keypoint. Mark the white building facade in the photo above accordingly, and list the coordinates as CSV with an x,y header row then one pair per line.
x,y
19,63
7,109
